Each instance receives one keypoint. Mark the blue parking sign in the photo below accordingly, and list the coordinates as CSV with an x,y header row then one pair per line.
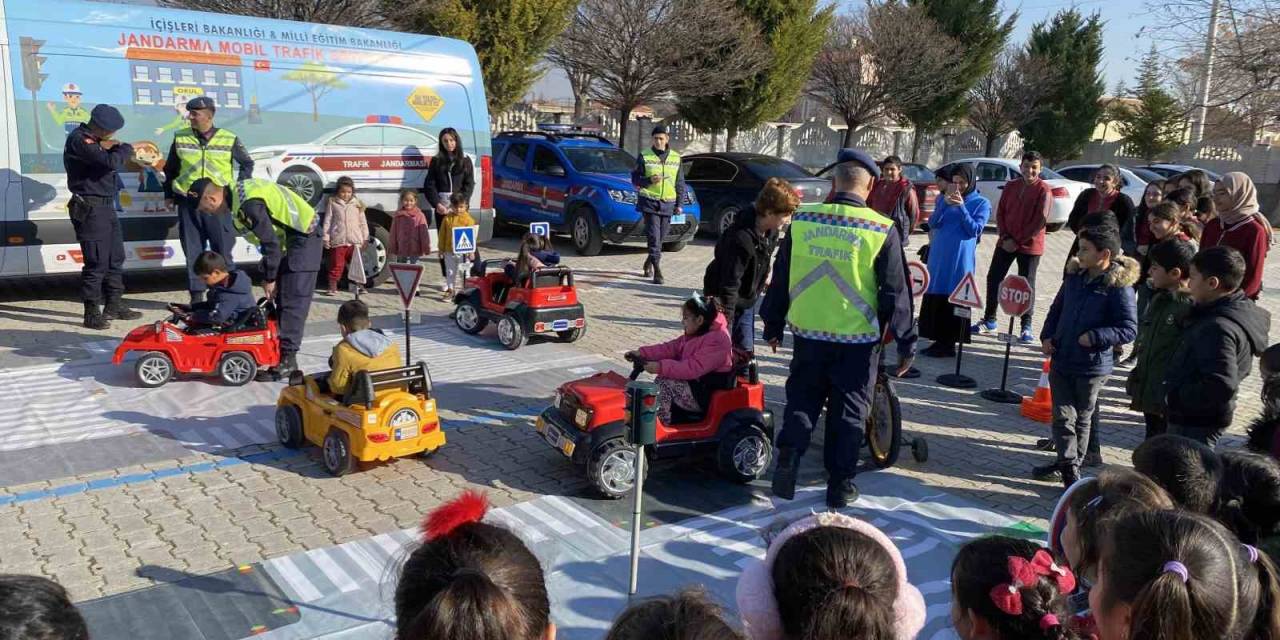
x,y
464,239
540,229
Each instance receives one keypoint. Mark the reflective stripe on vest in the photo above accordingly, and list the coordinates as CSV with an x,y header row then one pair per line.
x,y
669,170
832,285
288,210
211,160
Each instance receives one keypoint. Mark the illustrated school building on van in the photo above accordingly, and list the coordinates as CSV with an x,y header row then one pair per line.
x,y
163,78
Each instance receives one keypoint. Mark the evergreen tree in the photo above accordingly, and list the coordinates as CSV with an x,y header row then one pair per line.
x,y
1070,45
976,24
1154,125
793,31
510,36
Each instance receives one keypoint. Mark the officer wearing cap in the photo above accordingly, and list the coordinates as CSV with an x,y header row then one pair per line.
x,y
288,234
202,151
840,284
91,157
659,181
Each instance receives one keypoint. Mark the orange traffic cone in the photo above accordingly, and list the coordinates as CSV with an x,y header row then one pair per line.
x,y
1040,406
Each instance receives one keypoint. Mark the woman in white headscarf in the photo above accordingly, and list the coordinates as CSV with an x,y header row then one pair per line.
x,y
1241,226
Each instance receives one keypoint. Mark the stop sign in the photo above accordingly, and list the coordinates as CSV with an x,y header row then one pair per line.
x,y
1015,295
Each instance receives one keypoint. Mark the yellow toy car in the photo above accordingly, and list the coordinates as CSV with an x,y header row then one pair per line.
x,y
386,414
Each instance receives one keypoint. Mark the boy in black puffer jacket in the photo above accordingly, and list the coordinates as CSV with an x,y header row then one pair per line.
x,y
1225,331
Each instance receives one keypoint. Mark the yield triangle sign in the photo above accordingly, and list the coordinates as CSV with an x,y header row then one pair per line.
x,y
966,293
406,277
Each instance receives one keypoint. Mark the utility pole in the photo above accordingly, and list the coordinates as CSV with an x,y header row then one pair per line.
x,y
1197,127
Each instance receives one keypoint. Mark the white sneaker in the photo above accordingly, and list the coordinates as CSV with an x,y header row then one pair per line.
x,y
444,288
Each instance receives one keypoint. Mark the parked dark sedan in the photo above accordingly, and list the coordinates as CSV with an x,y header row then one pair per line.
x,y
922,179
728,182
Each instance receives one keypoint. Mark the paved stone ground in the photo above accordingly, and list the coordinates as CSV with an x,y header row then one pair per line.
x,y
200,512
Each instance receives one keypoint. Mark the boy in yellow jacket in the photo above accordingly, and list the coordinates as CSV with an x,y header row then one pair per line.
x,y
454,263
362,348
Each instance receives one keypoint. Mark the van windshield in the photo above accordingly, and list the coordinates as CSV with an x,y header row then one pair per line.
x,y
600,159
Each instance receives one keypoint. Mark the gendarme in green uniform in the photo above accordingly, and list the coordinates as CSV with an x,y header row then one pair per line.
x,y
832,283
211,160
289,211
665,190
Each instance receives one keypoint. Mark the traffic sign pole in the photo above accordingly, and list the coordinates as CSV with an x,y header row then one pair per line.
x,y
965,298
406,277
1003,395
1015,300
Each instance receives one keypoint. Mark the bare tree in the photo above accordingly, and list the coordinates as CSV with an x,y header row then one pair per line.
x,y
638,51
1246,51
880,62
580,80
1009,96
353,13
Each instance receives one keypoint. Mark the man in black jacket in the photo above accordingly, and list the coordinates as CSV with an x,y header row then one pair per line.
x,y
1224,332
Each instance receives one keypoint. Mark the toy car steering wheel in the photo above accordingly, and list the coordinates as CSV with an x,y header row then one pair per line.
x,y
637,365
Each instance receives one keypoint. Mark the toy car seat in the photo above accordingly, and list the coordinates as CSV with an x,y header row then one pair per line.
x,y
365,384
704,389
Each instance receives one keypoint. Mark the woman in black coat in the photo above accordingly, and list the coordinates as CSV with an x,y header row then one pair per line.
x,y
450,170
737,274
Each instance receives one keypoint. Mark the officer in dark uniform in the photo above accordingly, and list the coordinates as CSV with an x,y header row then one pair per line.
x,y
289,236
91,158
840,284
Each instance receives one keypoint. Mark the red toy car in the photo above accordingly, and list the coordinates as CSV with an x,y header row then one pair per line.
x,y
586,424
545,303
234,354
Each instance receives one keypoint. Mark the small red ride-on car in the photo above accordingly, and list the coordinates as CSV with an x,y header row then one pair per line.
x,y
586,424
234,353
544,303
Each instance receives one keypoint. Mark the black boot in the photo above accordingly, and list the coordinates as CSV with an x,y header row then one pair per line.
x,y
648,267
116,309
288,363
657,275
93,318
841,492
1051,471
784,475
1069,475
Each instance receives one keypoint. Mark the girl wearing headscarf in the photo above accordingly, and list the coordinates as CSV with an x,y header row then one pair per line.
x,y
954,227
1240,225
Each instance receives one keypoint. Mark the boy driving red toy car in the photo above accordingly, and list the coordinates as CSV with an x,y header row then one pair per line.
x,y
230,296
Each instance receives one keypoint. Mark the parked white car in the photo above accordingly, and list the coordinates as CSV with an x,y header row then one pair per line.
x,y
1131,184
993,173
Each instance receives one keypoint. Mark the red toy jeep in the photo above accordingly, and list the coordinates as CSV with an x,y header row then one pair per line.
x,y
585,423
544,303
234,353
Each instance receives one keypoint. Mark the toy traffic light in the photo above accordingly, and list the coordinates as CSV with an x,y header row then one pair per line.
x,y
642,413
32,63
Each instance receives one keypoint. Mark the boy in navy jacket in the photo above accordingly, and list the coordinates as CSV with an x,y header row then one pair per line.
x,y
230,295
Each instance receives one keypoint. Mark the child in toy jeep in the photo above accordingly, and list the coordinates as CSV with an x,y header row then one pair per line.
x,y
705,407
532,299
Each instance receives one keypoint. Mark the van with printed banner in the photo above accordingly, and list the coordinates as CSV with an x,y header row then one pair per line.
x,y
310,102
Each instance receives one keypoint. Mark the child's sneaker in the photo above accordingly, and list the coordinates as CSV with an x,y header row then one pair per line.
x,y
984,327
1027,337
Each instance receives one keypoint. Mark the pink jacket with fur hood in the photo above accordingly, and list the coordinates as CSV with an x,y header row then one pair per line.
x,y
759,609
691,357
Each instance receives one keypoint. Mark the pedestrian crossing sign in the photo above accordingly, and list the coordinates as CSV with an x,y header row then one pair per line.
x,y
464,239
540,229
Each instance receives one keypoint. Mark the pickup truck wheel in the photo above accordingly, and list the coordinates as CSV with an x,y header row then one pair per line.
x,y
153,369
336,454
237,369
587,238
289,426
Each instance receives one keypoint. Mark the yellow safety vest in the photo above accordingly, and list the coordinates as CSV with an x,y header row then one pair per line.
x,y
832,284
289,211
211,160
669,170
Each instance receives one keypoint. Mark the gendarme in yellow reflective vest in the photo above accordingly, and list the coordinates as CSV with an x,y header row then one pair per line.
x,y
653,166
211,160
288,210
833,288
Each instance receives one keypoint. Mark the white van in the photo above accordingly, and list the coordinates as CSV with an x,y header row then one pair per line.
x,y
310,102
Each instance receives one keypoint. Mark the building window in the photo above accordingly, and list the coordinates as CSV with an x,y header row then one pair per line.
x,y
188,75
141,73
210,76
166,96
231,78
233,99
142,95
166,74
213,95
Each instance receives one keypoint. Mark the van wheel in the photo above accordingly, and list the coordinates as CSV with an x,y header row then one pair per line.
x,y
153,369
745,454
376,256
289,426
336,454
587,238
237,369
305,183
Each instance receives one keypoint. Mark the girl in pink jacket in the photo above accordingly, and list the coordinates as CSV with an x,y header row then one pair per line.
x,y
705,347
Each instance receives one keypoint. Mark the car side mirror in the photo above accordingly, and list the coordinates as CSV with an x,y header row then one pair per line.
x,y
555,170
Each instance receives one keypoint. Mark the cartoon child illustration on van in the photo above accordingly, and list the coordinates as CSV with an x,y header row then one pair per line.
x,y
148,161
180,121
72,115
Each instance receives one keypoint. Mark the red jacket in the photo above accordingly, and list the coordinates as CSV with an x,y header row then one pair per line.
x,y
691,357
1247,237
1023,213
410,236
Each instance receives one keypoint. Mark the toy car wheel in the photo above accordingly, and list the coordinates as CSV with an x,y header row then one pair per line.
x,y
510,333
587,238
336,453
468,318
571,335
237,369
289,426
920,450
153,369
745,454
884,427
612,469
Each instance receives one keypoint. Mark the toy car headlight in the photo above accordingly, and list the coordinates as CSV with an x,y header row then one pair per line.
x,y
558,398
582,418
623,195
404,418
